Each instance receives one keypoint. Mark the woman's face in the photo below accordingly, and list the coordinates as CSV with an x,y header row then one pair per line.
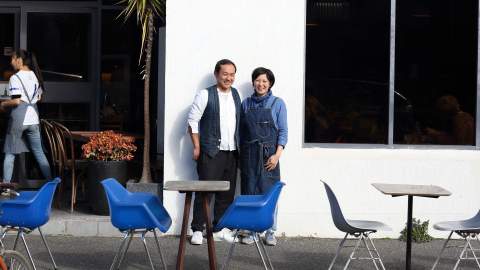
x,y
16,62
261,85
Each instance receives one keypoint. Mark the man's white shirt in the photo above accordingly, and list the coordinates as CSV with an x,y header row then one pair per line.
x,y
228,117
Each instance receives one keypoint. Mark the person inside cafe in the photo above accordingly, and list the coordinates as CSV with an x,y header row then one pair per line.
x,y
26,89
213,123
263,136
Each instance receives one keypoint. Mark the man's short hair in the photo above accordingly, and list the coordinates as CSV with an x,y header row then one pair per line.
x,y
222,62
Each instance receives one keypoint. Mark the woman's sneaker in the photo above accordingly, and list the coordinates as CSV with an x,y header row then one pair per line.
x,y
270,239
197,238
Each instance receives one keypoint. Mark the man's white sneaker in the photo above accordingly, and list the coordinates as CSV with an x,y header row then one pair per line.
x,y
224,235
197,238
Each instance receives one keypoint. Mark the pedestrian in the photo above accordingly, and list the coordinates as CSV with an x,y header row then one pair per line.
x,y
26,89
213,126
264,134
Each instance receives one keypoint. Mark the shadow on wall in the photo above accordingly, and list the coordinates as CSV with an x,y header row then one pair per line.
x,y
181,150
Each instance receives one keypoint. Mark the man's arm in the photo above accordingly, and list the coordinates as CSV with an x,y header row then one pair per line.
x,y
194,116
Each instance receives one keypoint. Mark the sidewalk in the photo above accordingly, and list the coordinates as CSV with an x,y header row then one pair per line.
x,y
290,253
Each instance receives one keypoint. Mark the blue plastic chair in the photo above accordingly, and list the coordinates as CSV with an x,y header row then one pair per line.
x,y
135,213
27,212
254,213
360,229
468,230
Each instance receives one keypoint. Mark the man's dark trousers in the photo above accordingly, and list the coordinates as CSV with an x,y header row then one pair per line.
x,y
223,167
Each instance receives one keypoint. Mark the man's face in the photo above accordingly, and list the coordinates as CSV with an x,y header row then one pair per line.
x,y
225,76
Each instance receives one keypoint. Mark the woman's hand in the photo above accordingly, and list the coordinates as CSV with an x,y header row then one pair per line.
x,y
272,162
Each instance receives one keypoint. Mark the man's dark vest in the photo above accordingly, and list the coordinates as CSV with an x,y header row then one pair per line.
x,y
210,135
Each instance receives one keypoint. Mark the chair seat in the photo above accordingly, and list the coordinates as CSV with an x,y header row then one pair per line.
x,y
459,225
368,225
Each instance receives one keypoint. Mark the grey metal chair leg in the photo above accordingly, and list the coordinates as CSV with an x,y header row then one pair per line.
x,y
230,252
27,249
461,255
146,250
353,252
256,239
370,252
117,255
124,252
16,240
473,253
266,255
441,251
48,248
340,246
376,251
164,263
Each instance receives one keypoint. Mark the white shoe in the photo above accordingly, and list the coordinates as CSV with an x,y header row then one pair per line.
x,y
197,238
224,235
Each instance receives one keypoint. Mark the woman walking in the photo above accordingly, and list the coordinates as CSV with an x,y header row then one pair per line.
x,y
26,88
263,137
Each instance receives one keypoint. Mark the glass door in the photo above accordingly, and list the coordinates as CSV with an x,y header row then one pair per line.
x,y
9,40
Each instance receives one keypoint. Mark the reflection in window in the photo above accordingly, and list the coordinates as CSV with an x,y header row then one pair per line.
x,y
347,71
436,72
7,45
61,42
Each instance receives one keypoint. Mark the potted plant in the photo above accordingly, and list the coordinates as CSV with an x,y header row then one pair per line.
x,y
108,153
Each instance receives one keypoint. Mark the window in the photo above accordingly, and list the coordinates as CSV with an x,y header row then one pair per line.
x,y
348,63
7,46
61,42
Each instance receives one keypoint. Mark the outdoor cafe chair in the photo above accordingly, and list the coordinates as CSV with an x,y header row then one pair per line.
x,y
468,230
27,212
360,229
253,213
135,213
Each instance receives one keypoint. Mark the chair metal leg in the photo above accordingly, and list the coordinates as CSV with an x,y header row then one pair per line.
x,y
256,239
370,253
353,252
376,251
473,253
124,252
117,255
230,252
461,255
266,255
164,263
340,246
441,251
16,240
27,249
48,248
146,250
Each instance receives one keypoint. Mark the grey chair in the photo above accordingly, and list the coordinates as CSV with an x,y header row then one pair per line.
x,y
359,229
468,230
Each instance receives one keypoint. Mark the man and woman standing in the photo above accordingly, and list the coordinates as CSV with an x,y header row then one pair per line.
x,y
224,130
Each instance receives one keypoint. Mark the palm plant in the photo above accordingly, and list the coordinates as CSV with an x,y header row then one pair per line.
x,y
146,12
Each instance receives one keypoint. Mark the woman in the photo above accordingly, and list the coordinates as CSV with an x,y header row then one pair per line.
x,y
263,134
26,87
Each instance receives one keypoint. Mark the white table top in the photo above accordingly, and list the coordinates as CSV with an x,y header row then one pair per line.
x,y
412,190
197,186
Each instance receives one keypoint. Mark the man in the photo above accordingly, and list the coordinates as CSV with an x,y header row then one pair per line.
x,y
213,126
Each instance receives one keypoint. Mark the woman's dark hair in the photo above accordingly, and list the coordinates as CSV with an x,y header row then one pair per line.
x,y
222,62
260,71
30,61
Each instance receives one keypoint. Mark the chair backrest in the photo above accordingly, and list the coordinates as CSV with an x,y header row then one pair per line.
x,y
337,215
252,212
34,214
66,144
48,131
115,191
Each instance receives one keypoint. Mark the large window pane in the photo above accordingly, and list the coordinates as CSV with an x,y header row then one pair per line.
x,y
7,45
347,71
436,72
61,42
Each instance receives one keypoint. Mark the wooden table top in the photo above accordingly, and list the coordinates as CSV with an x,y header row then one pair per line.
x,y
411,190
197,186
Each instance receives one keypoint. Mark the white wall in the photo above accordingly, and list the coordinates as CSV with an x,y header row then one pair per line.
x,y
271,33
